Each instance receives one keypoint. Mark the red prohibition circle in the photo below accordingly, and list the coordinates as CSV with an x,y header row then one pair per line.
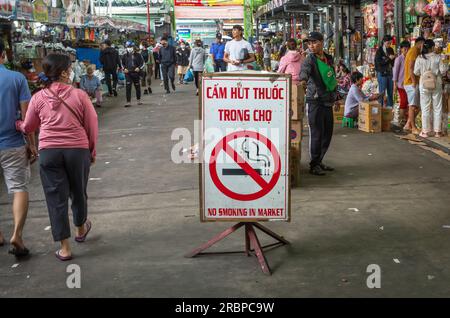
x,y
223,145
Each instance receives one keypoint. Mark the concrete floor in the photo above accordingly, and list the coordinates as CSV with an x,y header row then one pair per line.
x,y
145,216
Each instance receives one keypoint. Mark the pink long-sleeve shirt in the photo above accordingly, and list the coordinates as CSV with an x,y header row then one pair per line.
x,y
59,128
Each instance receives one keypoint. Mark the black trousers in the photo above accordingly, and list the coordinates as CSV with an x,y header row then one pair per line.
x,y
133,78
196,77
157,72
320,118
65,174
220,66
108,75
168,72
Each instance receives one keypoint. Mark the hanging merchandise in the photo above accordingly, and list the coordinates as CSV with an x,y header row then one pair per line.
x,y
92,35
86,34
437,27
410,7
420,5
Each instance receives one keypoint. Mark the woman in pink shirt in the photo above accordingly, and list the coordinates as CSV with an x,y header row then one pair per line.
x,y
291,62
68,128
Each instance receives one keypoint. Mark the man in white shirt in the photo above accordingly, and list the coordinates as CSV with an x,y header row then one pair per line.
x,y
238,52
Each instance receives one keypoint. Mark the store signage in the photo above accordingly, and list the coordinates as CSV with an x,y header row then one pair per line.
x,y
184,34
244,175
208,3
7,9
40,11
55,15
25,11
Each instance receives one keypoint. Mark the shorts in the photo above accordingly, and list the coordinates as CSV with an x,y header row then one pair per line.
x,y
413,95
267,62
182,69
16,169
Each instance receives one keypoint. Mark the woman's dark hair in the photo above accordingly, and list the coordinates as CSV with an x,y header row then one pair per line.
x,y
54,65
427,47
356,76
291,44
387,38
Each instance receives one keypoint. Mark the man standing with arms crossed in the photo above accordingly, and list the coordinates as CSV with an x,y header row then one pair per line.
x,y
13,150
411,85
318,77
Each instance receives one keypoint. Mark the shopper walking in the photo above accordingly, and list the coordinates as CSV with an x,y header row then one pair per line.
x,y
267,54
68,130
109,57
14,158
147,73
318,77
133,64
92,86
430,67
291,63
411,85
197,61
398,78
157,61
238,52
167,55
217,52
384,62
183,54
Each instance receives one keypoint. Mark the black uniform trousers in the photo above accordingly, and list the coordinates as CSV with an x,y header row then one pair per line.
x,y
168,72
321,122
65,174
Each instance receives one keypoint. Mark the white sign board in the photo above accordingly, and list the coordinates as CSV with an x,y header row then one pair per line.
x,y
245,146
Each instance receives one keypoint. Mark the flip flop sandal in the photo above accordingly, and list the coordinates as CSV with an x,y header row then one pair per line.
x,y
19,252
62,258
82,238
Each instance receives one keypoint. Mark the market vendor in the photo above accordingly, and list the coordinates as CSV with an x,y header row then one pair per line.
x,y
355,96
92,86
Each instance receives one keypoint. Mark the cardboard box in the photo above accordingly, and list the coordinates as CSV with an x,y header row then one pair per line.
x,y
297,108
338,115
386,119
296,133
370,117
294,166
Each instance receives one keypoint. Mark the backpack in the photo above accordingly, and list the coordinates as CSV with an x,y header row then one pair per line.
x,y
429,80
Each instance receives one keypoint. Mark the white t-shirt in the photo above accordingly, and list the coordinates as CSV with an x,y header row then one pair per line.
x,y
236,50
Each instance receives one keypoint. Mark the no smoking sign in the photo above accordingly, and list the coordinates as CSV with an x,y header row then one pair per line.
x,y
245,172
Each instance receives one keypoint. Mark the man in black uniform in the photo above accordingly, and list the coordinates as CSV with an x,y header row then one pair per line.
x,y
318,77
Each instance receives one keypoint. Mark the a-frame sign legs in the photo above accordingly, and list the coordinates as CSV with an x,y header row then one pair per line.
x,y
252,243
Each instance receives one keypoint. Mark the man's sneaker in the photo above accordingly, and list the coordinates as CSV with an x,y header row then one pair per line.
x,y
150,91
167,92
326,168
317,171
139,102
115,93
173,86
127,105
145,92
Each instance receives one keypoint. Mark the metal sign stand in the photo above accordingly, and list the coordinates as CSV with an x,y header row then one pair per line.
x,y
252,244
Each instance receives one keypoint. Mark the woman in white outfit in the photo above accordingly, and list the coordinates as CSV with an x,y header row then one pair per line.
x,y
430,67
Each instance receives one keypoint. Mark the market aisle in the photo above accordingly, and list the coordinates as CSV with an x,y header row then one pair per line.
x,y
387,200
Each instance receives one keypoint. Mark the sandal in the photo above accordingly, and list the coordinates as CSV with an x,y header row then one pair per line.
x,y
82,238
62,258
423,135
19,251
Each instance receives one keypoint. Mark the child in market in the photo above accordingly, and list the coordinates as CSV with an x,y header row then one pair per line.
x,y
92,85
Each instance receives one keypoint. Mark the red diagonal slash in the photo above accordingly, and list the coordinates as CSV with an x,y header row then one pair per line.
x,y
245,166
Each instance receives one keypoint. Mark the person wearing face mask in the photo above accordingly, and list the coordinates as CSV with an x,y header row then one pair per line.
x,y
183,54
133,64
14,160
68,131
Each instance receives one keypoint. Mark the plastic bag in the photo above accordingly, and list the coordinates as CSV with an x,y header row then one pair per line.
x,y
189,76
121,76
437,26
209,67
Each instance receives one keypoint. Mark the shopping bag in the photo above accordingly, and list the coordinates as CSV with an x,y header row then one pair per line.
x,y
189,76
120,76
209,67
